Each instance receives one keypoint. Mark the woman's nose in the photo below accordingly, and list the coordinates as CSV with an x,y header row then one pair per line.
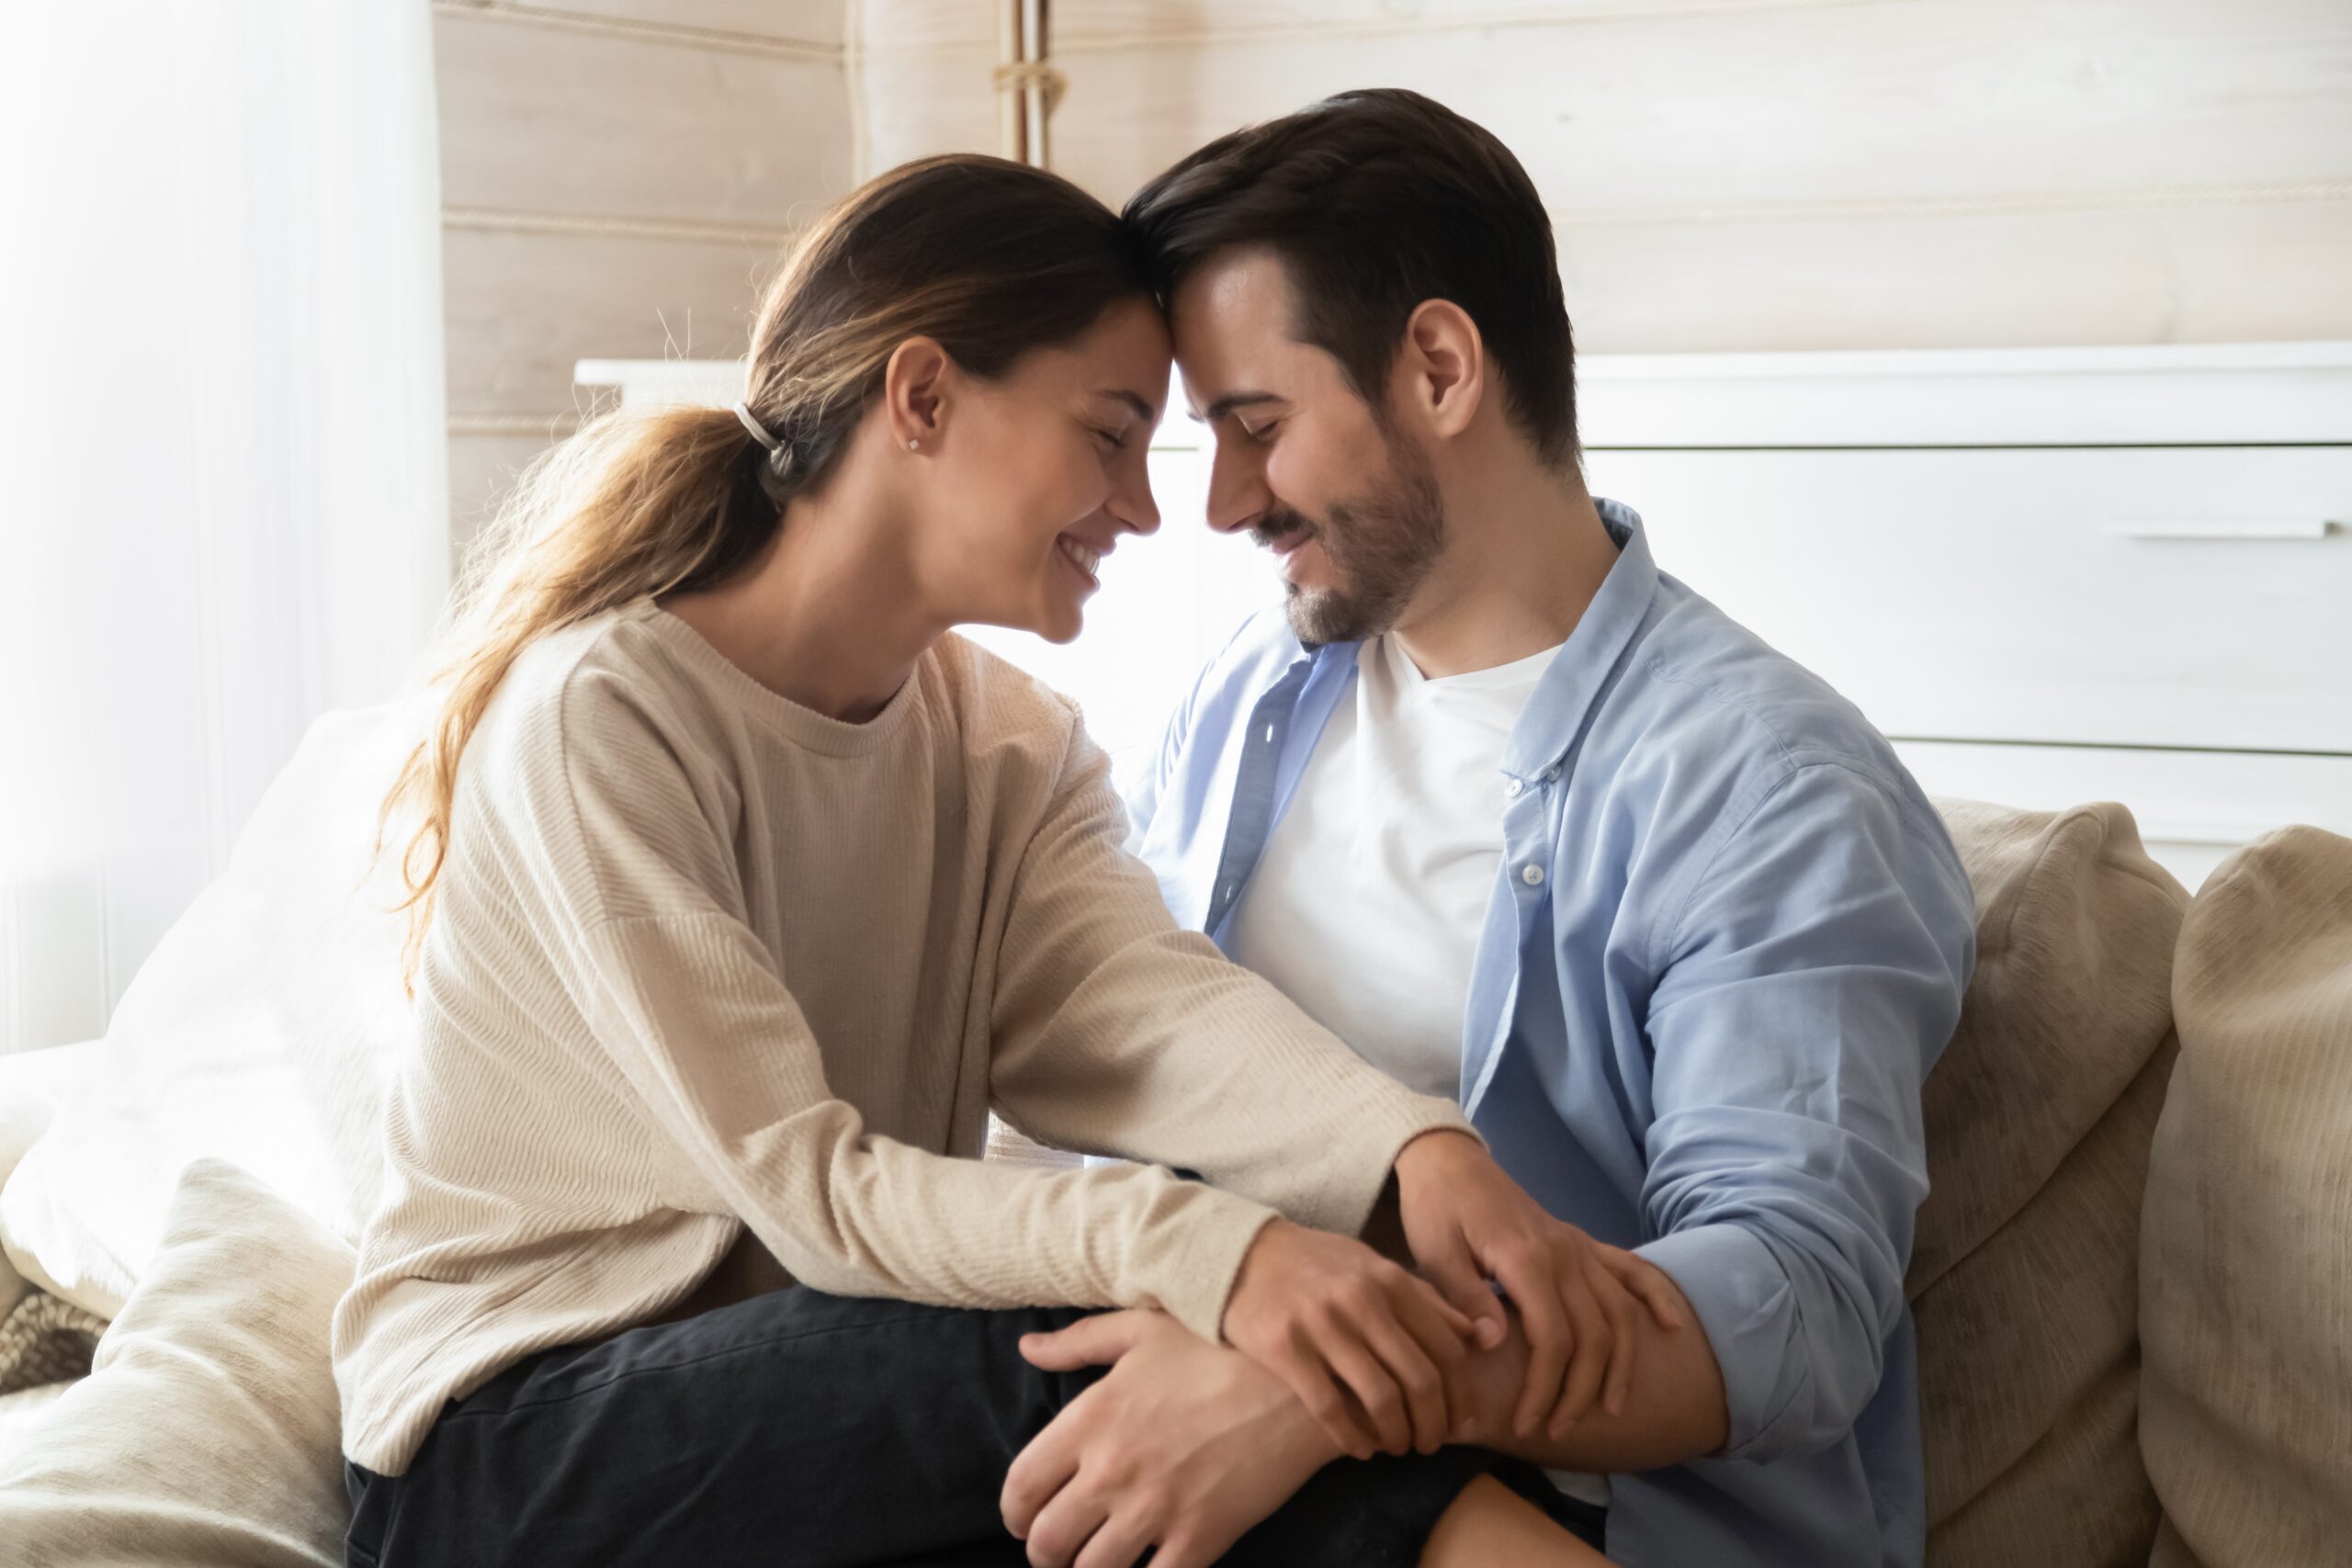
x,y
1134,508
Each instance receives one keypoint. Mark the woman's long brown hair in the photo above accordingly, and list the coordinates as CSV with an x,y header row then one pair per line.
x,y
988,257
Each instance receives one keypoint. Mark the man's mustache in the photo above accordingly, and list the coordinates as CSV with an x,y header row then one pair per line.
x,y
1278,524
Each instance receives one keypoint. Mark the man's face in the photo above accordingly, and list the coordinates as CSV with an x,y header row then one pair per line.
x,y
1315,474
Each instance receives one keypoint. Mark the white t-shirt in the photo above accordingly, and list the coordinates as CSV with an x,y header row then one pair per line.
x,y
1366,905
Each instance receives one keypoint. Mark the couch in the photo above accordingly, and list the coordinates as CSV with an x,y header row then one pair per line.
x,y
2133,1276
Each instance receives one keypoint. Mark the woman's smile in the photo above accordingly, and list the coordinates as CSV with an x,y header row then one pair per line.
x,y
1083,558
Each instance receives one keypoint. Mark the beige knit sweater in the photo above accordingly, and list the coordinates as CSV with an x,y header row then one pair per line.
x,y
705,959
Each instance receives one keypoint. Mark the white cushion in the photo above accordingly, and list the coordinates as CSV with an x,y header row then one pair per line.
x,y
31,1083
207,1431
260,1032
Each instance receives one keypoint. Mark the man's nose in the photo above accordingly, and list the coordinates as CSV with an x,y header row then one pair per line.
x,y
1236,500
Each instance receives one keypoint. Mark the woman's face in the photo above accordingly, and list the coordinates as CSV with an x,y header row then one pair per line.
x,y
1038,475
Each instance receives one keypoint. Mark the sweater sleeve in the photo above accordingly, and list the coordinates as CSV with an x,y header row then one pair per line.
x,y
634,903
1119,1032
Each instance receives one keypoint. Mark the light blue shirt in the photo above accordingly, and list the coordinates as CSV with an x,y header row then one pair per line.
x,y
1728,941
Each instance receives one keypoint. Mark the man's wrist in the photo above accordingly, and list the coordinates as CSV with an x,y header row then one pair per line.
x,y
1301,1438
1496,1378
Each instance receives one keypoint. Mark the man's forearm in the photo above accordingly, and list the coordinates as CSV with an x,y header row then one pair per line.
x,y
1674,1408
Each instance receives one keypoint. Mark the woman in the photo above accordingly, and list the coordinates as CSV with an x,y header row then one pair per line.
x,y
743,890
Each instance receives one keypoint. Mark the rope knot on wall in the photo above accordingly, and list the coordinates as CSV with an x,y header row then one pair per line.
x,y
1032,73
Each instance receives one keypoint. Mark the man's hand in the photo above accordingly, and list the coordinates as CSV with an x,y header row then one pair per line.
x,y
1368,1347
1467,1222
1183,1445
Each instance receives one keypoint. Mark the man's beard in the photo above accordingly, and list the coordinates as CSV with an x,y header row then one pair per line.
x,y
1381,546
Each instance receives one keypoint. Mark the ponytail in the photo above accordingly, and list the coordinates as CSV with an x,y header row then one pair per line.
x,y
634,503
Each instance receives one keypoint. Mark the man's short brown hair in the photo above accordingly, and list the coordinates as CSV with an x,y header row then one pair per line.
x,y
1375,201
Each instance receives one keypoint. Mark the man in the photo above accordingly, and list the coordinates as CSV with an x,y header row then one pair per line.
x,y
1530,822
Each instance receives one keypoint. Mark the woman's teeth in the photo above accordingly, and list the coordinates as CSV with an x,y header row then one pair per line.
x,y
1085,559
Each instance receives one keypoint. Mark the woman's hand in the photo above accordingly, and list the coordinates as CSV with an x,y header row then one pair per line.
x,y
1467,1222
1368,1347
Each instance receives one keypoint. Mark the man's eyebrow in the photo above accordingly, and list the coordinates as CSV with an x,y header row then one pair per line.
x,y
1232,401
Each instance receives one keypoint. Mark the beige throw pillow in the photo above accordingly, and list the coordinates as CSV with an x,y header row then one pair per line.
x,y
2024,1273
208,1431
2246,1270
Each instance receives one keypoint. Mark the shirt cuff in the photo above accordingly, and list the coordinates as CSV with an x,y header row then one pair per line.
x,y
1746,1305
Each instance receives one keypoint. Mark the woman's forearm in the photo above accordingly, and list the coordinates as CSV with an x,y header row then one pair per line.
x,y
1116,1032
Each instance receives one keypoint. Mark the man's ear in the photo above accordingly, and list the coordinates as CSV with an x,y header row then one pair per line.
x,y
1443,366
914,389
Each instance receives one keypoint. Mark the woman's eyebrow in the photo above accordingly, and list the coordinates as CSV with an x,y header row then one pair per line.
x,y
1135,400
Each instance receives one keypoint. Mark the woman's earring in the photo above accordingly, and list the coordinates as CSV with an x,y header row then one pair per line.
x,y
912,444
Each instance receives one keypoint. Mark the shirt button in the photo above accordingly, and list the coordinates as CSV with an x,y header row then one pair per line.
x,y
1532,873
1551,774
1512,788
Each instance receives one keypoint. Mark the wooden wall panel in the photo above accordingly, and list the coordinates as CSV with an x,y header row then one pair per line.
x,y
482,469
814,23
1081,26
1784,174
921,102
619,178
553,120
913,27
1953,99
1089,23
523,309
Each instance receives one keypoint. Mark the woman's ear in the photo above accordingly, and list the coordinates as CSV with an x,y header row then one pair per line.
x,y
1444,366
914,390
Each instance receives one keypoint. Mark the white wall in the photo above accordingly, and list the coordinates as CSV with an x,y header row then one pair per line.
x,y
1771,174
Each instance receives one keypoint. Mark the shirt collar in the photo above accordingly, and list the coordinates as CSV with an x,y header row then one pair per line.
x,y
1563,699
